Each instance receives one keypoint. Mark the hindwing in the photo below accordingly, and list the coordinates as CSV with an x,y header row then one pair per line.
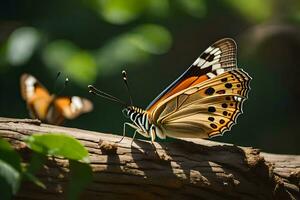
x,y
206,109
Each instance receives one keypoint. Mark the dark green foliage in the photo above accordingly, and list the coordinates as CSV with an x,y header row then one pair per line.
x,y
81,176
43,145
10,170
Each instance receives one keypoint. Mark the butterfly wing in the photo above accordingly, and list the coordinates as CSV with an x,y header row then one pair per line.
x,y
206,109
69,107
215,60
36,96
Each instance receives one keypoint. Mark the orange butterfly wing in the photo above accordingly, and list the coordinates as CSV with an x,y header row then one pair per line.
x,y
47,107
216,59
72,107
36,96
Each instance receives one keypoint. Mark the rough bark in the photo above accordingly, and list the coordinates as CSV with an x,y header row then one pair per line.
x,y
184,169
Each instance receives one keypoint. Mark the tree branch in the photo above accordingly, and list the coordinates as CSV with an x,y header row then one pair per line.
x,y
184,169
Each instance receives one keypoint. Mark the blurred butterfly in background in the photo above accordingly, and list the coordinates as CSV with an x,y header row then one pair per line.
x,y
50,108
203,102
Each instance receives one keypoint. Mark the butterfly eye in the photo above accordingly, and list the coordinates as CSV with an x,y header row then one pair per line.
x,y
125,112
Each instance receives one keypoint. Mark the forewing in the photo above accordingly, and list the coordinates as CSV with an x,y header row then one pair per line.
x,y
36,96
204,110
216,59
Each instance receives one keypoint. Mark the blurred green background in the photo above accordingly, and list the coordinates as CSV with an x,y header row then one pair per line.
x,y
91,41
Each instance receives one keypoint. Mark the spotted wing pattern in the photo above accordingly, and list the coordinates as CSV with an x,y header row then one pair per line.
x,y
216,59
204,110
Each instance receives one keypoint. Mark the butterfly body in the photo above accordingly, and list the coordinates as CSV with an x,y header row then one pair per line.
x,y
142,122
50,108
203,102
41,108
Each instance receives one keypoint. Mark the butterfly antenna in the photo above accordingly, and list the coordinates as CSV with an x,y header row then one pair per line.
x,y
124,74
55,81
64,87
93,90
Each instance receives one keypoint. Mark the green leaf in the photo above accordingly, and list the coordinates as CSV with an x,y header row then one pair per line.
x,y
81,176
120,11
295,14
152,38
254,10
11,176
9,155
133,47
58,145
159,8
10,170
66,57
5,189
56,52
194,8
81,67
34,179
21,45
36,162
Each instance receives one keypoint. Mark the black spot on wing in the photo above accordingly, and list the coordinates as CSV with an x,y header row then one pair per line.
x,y
210,91
211,109
224,80
211,119
213,126
228,85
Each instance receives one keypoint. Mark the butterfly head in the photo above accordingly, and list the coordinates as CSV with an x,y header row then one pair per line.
x,y
128,110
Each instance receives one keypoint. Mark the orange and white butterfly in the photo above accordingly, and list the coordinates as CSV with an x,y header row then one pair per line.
x,y
203,102
50,108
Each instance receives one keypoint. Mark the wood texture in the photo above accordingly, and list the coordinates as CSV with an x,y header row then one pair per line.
x,y
184,169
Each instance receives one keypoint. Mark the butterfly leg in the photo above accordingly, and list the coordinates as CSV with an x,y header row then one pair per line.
x,y
152,133
133,137
124,130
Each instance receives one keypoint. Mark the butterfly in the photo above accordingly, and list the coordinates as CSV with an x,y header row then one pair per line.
x,y
50,108
203,102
